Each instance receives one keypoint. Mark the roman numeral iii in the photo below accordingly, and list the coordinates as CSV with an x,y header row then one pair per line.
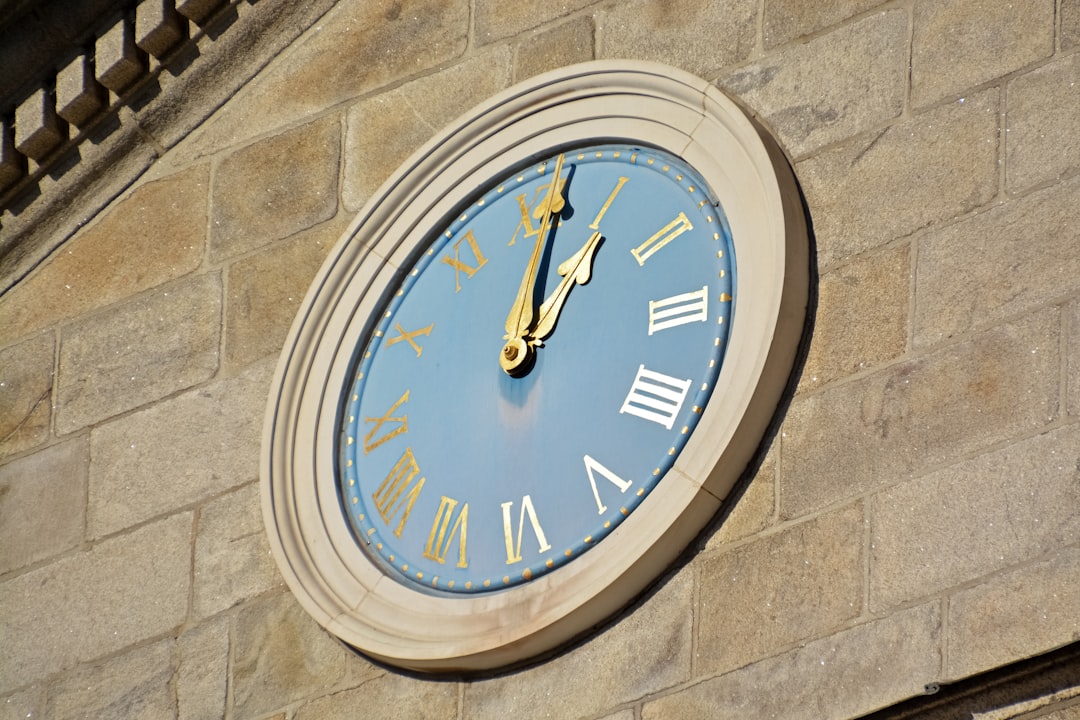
x,y
679,310
655,397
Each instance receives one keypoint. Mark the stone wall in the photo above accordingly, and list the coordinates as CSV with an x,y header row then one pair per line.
x,y
912,522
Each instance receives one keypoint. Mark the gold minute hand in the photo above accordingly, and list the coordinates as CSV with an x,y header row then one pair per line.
x,y
575,271
515,352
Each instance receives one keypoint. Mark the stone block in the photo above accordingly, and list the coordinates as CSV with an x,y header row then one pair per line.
x,y
232,556
12,162
94,603
78,95
543,50
24,704
396,697
786,20
118,61
353,49
761,597
133,686
156,234
1010,259
37,129
844,441
158,26
1042,141
832,87
265,291
280,656
203,673
845,675
276,187
496,20
973,518
1072,361
959,44
197,10
26,391
754,510
707,35
138,351
918,172
1070,24
176,452
383,131
1023,613
42,504
646,651
862,316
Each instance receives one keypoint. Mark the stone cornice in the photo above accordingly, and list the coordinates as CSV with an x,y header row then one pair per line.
x,y
153,75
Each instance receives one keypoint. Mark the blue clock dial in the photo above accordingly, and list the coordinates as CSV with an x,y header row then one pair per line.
x,y
537,370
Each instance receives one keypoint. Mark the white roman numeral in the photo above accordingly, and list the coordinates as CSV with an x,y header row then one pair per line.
x,y
590,466
656,397
678,310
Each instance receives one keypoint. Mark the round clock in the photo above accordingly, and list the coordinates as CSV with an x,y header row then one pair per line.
x,y
533,367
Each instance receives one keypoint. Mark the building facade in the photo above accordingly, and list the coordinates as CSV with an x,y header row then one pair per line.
x,y
910,523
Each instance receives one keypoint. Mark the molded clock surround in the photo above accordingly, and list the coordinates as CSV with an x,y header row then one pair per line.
x,y
608,101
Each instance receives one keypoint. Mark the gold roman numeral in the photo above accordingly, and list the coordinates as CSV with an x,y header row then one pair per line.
x,y
370,443
397,493
526,218
666,234
611,198
460,266
527,210
409,337
439,541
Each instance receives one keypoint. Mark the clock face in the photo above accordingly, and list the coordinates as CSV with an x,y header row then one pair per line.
x,y
537,369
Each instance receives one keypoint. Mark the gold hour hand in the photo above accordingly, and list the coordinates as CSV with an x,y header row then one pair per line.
x,y
575,271
516,352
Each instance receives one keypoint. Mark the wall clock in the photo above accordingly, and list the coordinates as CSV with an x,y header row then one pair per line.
x,y
533,367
